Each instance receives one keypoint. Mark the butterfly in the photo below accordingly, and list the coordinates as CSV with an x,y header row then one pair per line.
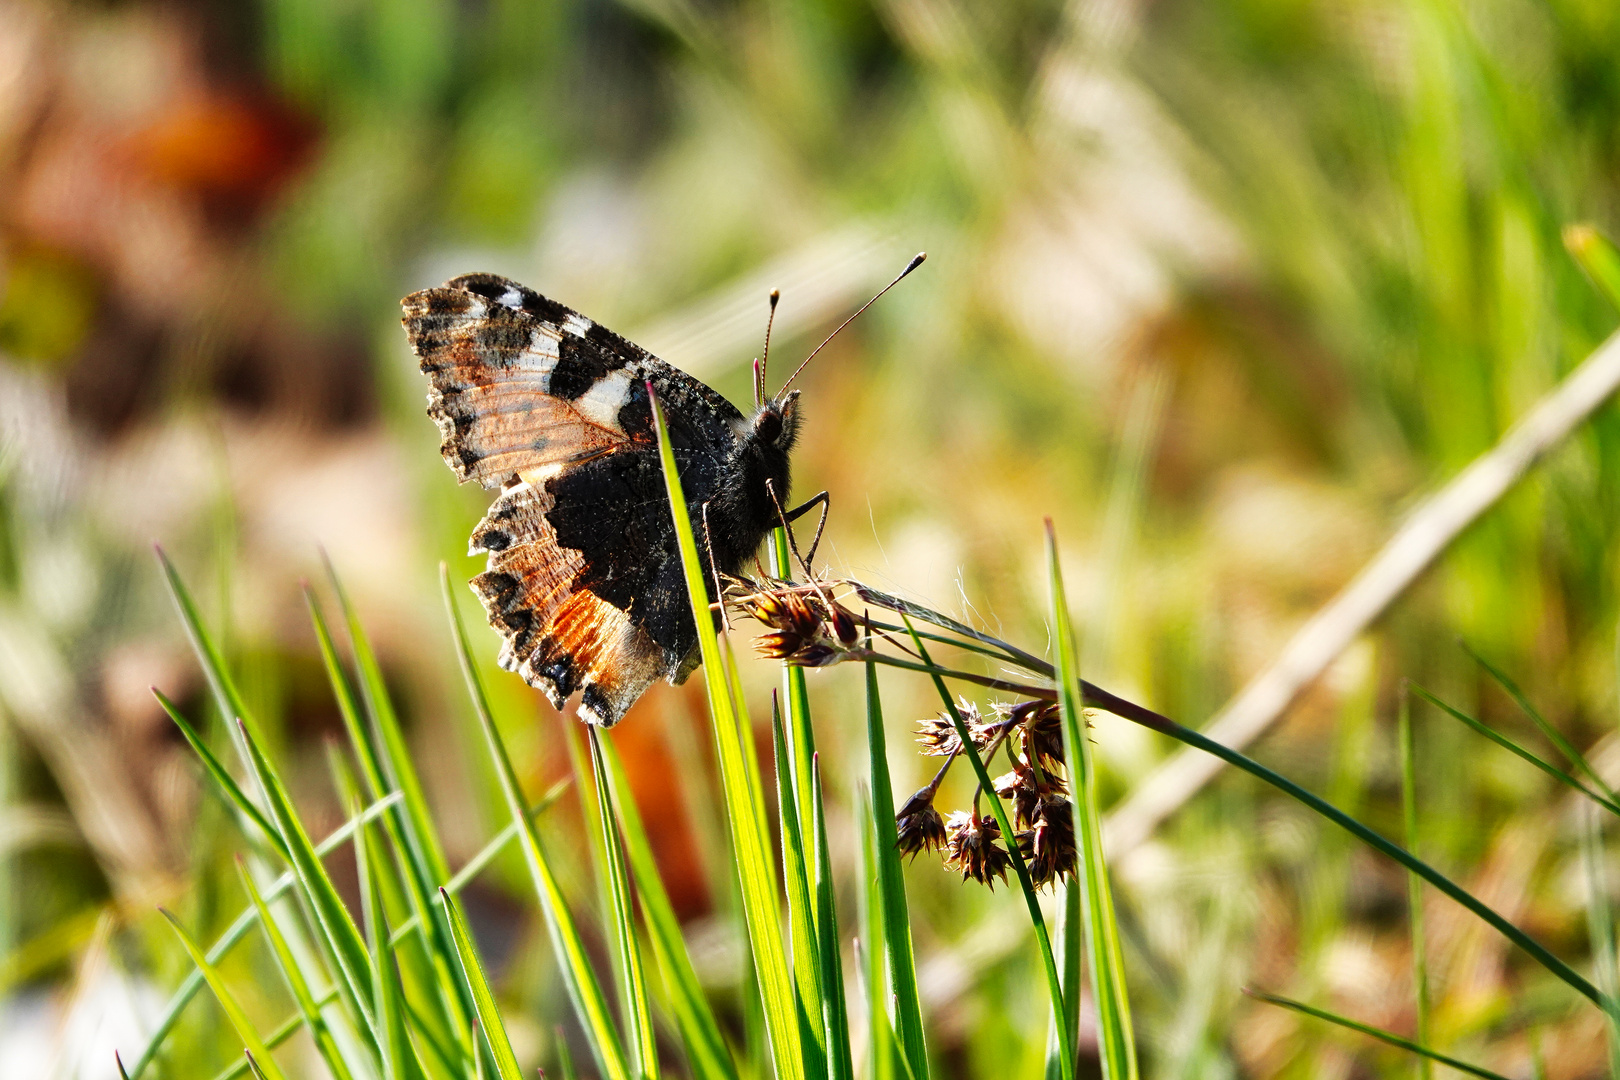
x,y
583,579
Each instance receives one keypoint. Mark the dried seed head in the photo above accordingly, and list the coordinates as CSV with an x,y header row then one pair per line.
x,y
971,847
1041,735
938,733
919,824
1048,844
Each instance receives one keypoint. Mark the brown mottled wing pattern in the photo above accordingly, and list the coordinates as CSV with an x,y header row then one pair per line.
x,y
583,579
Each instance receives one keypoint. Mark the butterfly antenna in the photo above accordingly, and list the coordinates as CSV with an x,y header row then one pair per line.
x,y
916,261
759,369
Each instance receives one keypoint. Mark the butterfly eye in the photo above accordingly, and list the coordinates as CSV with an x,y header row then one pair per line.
x,y
768,425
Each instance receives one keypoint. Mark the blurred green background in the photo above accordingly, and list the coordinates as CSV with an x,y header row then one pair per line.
x,y
1222,286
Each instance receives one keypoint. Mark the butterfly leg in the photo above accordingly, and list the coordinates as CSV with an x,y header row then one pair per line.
x,y
822,500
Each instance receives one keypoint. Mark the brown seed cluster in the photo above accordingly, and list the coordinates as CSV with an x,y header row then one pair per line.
x,y
807,628
1030,734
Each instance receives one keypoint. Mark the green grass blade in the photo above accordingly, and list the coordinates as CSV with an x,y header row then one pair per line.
x,y
253,1066
450,1010
224,783
1600,927
801,920
1512,747
1116,1040
1070,934
583,988
119,1061
227,1002
835,1011
395,755
700,1031
1321,806
284,1031
237,931
336,925
739,775
489,1014
226,696
900,963
484,856
1556,737
1598,257
1378,1033
1414,885
638,1009
1054,984
801,735
398,1058
309,1011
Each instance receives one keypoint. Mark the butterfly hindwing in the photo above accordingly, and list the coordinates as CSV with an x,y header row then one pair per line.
x,y
584,579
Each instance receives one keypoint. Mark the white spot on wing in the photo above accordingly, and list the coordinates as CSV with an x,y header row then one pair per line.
x,y
602,402
578,325
511,298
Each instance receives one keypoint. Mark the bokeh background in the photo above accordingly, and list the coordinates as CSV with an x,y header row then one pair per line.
x,y
1222,287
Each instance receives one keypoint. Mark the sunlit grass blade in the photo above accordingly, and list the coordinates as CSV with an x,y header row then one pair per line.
x,y
1600,928
1556,737
1116,1040
700,1031
237,931
1054,984
227,1001
739,776
484,856
283,1031
801,921
386,765
1377,1033
572,962
398,1058
1598,257
395,755
224,783
226,696
1562,776
835,1011
801,736
308,1008
489,1014
891,910
1070,934
1414,885
638,1010
253,1066
336,925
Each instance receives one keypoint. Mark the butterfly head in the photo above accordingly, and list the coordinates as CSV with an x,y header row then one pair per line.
x,y
776,422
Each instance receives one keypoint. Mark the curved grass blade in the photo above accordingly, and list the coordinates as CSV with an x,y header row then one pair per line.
x,y
237,931
227,1001
638,1011
336,925
1115,1038
890,913
583,989
1514,748
1378,1033
1556,737
284,1031
744,804
489,1014
484,856
700,1031
226,696
908,611
223,781
970,750
801,921
450,1010
308,1010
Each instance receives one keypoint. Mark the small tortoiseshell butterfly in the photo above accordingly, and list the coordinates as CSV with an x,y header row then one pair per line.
x,y
584,580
